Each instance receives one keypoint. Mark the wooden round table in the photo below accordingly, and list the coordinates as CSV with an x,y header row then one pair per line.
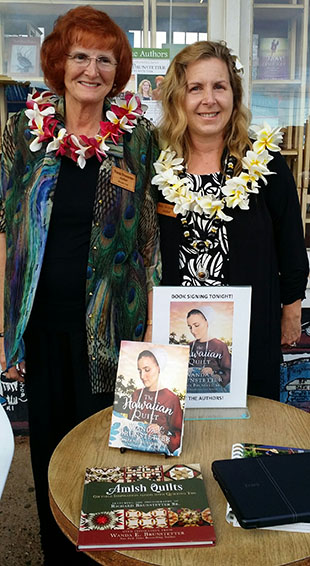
x,y
204,441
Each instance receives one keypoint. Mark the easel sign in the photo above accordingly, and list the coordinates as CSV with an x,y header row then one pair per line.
x,y
214,322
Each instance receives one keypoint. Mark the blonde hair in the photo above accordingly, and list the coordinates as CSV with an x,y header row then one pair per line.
x,y
140,87
173,129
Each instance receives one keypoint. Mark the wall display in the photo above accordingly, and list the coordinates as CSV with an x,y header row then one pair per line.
x,y
273,58
148,70
295,369
24,56
214,322
150,388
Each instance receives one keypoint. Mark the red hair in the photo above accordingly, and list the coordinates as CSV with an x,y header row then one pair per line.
x,y
92,29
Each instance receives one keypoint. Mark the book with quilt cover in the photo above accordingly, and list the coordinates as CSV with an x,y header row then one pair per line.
x,y
160,506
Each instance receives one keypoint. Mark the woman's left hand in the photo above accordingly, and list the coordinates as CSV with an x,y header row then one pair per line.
x,y
291,324
16,373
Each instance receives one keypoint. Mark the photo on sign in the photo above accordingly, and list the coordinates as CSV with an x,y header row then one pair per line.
x,y
214,322
207,328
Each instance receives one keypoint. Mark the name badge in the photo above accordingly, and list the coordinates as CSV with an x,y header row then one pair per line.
x,y
166,209
123,179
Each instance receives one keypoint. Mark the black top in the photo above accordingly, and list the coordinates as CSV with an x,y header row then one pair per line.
x,y
60,296
266,251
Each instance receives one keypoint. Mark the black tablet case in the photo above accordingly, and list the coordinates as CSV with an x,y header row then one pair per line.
x,y
266,490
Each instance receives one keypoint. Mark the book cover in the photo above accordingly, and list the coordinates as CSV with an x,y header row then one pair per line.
x,y
273,58
248,450
150,389
159,506
295,383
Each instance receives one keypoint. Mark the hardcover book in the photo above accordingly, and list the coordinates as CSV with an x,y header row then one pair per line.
x,y
163,506
247,450
150,389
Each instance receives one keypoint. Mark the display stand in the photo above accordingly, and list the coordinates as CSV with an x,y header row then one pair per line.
x,y
216,413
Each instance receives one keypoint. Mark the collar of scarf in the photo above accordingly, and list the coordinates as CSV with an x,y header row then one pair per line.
x,y
45,113
236,190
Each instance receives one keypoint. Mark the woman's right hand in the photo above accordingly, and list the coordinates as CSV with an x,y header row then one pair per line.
x,y
14,373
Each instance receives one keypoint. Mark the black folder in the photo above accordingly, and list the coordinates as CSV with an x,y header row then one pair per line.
x,y
266,490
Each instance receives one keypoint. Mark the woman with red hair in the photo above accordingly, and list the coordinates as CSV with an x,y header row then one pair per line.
x,y
79,238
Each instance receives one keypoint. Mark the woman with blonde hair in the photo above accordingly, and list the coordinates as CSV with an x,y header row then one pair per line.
x,y
228,211
145,89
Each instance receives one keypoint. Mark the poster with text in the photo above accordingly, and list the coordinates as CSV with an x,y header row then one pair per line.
x,y
149,66
214,323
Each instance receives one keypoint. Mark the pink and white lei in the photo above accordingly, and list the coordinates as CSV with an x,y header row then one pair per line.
x,y
41,110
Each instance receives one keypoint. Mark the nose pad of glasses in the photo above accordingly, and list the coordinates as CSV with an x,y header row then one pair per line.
x,y
92,64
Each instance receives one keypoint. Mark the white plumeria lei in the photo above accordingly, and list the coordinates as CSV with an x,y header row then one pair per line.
x,y
121,118
235,191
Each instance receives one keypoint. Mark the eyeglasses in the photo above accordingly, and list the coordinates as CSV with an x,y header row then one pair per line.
x,y
82,60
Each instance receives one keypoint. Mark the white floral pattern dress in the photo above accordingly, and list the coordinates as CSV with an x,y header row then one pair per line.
x,y
203,264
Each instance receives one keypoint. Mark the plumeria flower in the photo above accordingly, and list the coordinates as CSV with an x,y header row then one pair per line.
x,y
166,177
238,197
58,141
43,131
217,210
130,107
175,190
36,116
109,130
249,181
184,202
267,138
96,146
235,183
252,177
102,146
42,100
122,123
256,162
127,125
167,160
78,151
203,204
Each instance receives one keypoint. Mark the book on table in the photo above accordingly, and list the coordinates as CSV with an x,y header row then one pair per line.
x,y
250,450
150,390
160,506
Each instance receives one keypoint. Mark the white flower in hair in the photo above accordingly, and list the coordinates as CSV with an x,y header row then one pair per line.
x,y
237,63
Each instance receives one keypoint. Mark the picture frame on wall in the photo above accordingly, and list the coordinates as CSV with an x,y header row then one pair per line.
x,y
23,56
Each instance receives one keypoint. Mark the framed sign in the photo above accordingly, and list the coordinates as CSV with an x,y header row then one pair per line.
x,y
24,56
214,322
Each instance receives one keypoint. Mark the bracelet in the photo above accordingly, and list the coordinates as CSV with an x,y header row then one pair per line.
x,y
1,334
149,322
